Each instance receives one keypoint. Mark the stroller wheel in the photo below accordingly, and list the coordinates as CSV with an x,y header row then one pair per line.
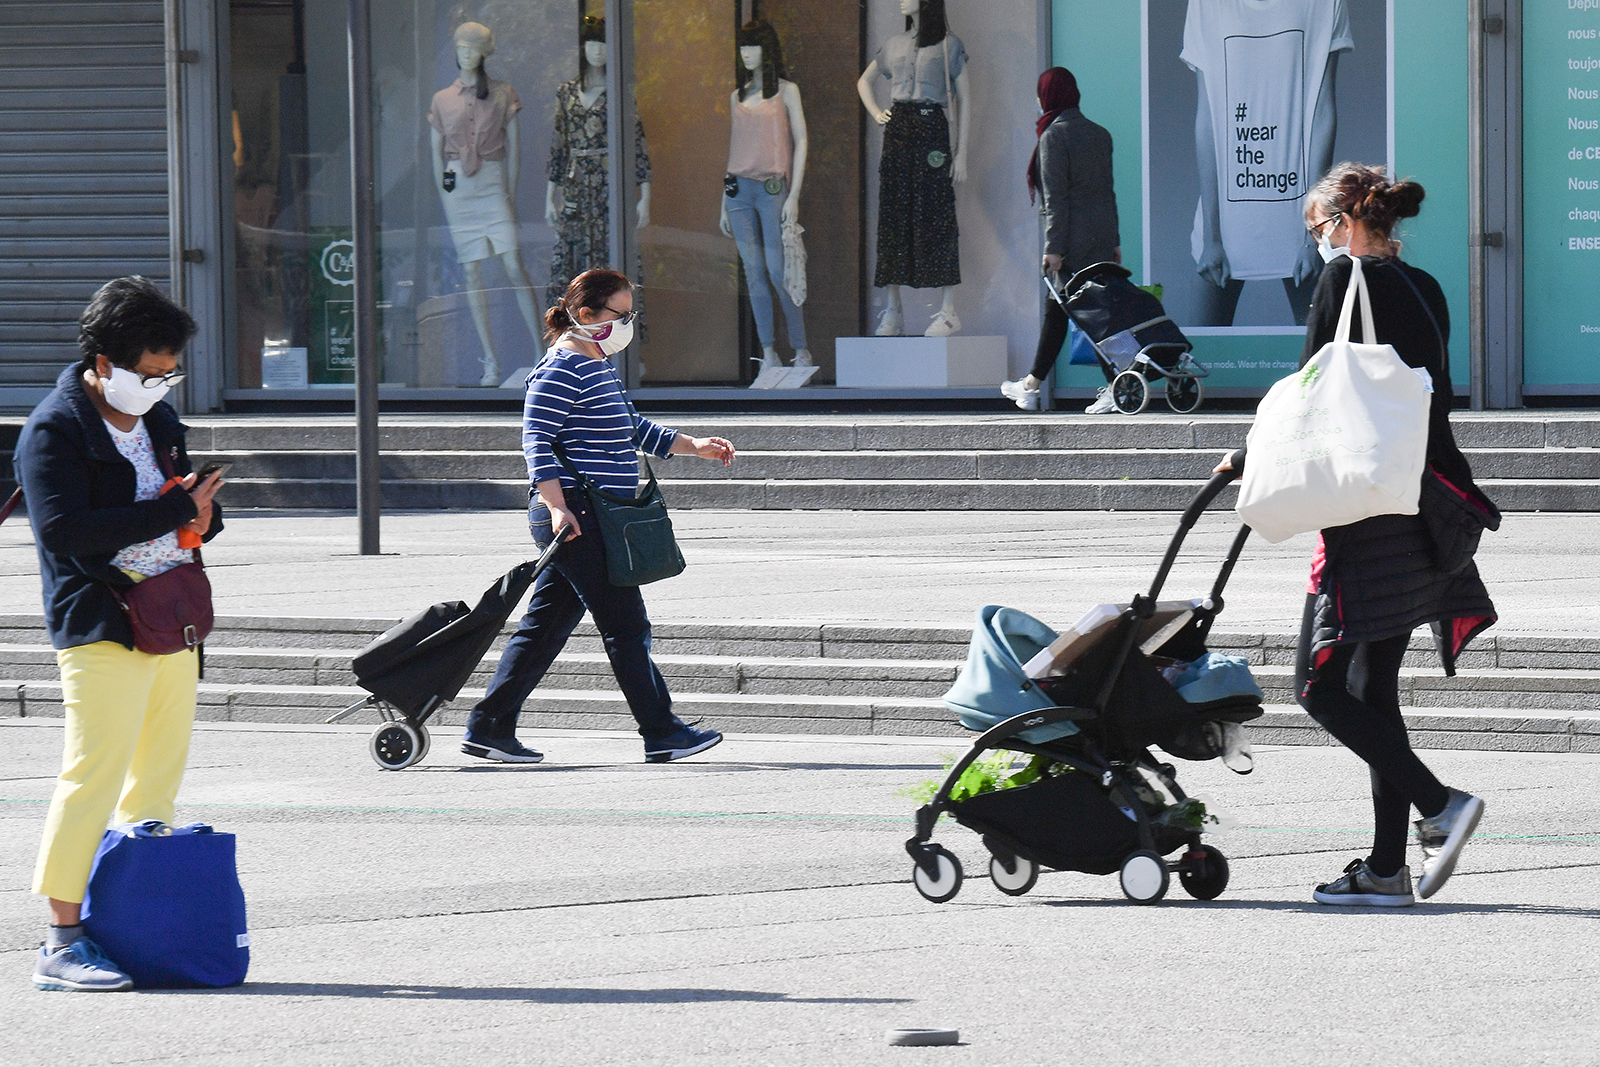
x,y
1015,880
1204,874
396,745
946,885
1184,394
1144,877
1130,392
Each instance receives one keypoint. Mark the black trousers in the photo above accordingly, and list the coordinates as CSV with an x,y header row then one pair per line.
x,y
1355,696
576,581
918,241
1052,335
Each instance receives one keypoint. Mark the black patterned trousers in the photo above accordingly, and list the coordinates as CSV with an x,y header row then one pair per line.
x,y
917,240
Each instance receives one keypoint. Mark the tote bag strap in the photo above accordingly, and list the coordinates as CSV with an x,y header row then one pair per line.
x,y
1357,286
1444,353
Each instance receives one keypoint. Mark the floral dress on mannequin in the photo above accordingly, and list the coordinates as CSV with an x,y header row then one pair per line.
x,y
579,163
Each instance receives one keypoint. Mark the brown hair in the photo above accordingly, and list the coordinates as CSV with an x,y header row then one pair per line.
x,y
1359,191
592,289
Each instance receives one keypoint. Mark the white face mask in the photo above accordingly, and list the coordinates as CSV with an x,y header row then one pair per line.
x,y
610,337
1330,253
125,392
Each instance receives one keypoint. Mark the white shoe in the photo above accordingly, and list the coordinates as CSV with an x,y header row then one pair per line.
x,y
802,358
890,323
1018,391
491,376
944,324
1103,404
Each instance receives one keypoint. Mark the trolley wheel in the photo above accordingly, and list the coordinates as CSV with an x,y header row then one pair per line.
x,y
1184,394
944,887
427,743
1130,393
1204,874
396,745
1015,879
1144,877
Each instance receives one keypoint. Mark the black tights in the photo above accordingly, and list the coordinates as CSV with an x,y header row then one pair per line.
x,y
1355,696
1051,337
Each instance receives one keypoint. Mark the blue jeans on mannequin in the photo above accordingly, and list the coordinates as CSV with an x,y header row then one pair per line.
x,y
756,218
576,581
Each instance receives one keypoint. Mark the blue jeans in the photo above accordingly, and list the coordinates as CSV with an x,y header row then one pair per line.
x,y
575,581
756,218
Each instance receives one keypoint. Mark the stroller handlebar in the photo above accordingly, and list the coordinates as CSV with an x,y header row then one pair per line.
x,y
1202,500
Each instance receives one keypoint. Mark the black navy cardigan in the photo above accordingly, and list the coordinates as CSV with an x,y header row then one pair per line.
x,y
79,492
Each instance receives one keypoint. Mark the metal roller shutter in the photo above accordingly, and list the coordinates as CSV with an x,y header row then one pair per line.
x,y
83,148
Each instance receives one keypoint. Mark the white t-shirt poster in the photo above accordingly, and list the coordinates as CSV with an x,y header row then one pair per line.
x,y
1263,62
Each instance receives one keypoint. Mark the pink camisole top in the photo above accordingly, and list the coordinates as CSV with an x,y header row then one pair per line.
x,y
762,146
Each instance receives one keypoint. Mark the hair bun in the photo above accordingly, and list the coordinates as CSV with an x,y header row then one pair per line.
x,y
1405,199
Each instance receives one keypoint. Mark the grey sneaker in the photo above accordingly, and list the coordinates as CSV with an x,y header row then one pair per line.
x,y
1103,404
1441,838
79,968
1019,393
1360,888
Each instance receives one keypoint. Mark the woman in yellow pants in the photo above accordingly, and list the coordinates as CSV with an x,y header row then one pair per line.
x,y
93,460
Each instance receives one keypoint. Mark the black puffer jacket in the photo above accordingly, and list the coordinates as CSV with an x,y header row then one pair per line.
x,y
1379,577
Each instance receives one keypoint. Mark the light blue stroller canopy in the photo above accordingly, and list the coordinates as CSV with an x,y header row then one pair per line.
x,y
993,686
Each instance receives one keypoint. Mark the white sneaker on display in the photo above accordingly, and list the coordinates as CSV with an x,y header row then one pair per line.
x,y
491,375
1018,392
802,358
890,323
1103,404
944,324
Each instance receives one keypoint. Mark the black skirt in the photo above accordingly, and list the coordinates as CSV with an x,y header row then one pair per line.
x,y
917,240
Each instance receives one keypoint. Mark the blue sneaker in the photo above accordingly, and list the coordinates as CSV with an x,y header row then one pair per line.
x,y
686,740
507,750
79,968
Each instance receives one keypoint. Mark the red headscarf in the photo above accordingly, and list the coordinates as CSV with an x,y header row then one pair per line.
x,y
1058,91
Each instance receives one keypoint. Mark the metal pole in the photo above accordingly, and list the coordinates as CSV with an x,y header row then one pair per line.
x,y
175,175
1477,295
620,117
365,255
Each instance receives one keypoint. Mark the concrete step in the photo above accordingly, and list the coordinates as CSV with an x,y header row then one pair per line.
x,y
1443,727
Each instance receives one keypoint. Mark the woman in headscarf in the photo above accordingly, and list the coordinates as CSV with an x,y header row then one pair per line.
x,y
1070,174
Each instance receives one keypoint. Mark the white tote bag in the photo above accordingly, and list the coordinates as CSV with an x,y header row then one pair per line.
x,y
1340,440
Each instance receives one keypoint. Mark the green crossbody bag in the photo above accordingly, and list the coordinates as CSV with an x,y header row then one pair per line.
x,y
640,546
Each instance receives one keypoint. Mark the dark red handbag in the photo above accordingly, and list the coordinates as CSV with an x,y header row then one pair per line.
x,y
170,612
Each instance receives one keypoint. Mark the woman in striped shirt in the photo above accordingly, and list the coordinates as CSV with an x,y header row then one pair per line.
x,y
575,401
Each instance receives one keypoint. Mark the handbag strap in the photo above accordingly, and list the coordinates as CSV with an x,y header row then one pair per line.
x,y
11,505
1356,289
1444,353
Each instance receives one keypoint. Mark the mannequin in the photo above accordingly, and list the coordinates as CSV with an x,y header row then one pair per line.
x,y
926,66
578,196
761,192
475,146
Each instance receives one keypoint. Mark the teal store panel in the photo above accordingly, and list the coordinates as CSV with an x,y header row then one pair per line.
x,y
1223,115
1561,175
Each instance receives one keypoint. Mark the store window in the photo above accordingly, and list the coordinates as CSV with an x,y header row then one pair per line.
x,y
494,185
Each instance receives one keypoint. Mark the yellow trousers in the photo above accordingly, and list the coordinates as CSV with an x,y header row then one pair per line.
x,y
129,717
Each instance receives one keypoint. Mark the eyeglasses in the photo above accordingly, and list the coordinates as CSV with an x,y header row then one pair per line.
x,y
623,317
169,380
1315,229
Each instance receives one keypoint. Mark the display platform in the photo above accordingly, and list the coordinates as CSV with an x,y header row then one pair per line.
x,y
919,362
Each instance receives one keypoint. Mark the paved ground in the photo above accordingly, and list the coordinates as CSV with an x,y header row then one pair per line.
x,y
753,907
911,567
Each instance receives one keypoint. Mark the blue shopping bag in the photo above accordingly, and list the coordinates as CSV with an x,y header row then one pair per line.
x,y
1080,349
169,910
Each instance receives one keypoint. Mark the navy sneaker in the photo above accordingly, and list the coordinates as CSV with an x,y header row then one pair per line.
x,y
686,740
78,968
501,750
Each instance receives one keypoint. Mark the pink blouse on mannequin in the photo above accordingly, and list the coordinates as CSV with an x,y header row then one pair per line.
x,y
761,146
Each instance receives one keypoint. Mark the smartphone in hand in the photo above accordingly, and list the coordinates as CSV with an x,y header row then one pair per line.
x,y
209,469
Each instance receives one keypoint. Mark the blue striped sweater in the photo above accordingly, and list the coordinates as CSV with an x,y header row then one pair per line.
x,y
577,401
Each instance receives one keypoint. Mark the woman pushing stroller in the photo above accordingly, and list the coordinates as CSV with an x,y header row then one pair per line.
x,y
577,421
1374,581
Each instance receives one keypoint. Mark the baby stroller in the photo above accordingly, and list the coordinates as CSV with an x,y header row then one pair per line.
x,y
1132,334
419,664
1091,799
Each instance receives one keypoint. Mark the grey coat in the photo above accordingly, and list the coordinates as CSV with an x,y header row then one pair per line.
x,y
1080,205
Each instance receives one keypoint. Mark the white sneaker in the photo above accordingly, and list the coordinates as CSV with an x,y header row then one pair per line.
x,y
890,323
802,358
491,375
1018,391
944,324
1103,403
